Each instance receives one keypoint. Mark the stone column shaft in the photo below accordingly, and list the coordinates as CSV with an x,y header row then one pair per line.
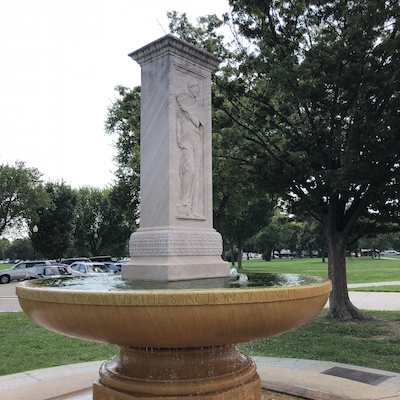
x,y
176,239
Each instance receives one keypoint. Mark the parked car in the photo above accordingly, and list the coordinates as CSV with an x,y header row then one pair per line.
x,y
69,261
44,271
59,264
391,253
89,268
19,271
113,267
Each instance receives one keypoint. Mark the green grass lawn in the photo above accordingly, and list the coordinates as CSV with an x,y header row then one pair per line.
x,y
376,344
25,346
359,270
394,288
373,344
5,266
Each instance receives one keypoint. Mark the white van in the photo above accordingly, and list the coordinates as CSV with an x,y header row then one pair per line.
x,y
391,253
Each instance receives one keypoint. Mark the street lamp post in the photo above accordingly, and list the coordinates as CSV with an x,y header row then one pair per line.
x,y
96,236
35,231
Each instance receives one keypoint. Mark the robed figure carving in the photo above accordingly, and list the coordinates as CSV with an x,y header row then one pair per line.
x,y
189,136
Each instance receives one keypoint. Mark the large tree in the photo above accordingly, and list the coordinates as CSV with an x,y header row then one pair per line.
x,y
55,222
123,121
99,226
315,96
280,234
21,194
4,244
312,89
19,249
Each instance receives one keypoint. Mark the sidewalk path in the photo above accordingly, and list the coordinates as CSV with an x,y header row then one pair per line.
x,y
382,301
312,379
8,298
371,284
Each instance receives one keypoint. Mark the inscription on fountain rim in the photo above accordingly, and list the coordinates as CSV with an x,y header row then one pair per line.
x,y
178,298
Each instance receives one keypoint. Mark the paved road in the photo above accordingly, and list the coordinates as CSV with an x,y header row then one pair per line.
x,y
8,298
364,300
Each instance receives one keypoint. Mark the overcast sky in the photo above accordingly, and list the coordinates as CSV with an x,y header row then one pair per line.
x,y
60,61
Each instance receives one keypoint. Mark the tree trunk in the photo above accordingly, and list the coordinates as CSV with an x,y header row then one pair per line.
x,y
232,254
240,255
340,306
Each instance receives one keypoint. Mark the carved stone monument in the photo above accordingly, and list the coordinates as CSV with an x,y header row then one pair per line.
x,y
176,240
176,340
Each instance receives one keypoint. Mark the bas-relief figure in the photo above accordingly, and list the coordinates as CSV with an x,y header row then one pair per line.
x,y
189,137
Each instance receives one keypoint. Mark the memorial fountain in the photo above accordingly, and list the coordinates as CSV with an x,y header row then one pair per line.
x,y
176,314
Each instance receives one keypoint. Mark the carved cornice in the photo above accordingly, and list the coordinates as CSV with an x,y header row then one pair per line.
x,y
170,44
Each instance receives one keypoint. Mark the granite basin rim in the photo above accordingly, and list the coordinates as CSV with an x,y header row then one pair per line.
x,y
171,297
174,320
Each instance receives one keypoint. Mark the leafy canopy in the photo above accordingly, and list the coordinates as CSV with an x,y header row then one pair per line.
x,y
21,193
317,100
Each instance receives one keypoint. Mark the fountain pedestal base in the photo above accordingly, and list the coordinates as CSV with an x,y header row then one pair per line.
x,y
250,391
208,373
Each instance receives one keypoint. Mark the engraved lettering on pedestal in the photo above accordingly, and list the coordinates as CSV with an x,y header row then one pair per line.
x,y
190,123
176,242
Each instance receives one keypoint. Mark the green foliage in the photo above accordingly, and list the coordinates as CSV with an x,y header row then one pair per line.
x,y
240,211
55,222
311,237
21,193
123,120
204,35
280,234
388,241
312,95
4,243
99,226
319,108
19,249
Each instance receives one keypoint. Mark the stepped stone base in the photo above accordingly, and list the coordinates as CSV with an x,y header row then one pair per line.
x,y
171,255
249,391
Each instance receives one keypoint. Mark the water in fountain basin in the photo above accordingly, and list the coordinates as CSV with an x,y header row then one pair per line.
x,y
115,283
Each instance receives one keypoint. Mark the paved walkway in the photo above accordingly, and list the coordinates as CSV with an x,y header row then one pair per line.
x,y
308,378
8,298
311,379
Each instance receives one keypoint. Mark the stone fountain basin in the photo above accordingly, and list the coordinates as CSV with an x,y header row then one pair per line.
x,y
165,318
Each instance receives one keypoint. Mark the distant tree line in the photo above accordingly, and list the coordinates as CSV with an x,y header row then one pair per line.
x,y
68,222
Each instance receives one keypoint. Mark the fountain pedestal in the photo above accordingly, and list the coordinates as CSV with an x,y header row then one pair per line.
x,y
208,373
174,341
